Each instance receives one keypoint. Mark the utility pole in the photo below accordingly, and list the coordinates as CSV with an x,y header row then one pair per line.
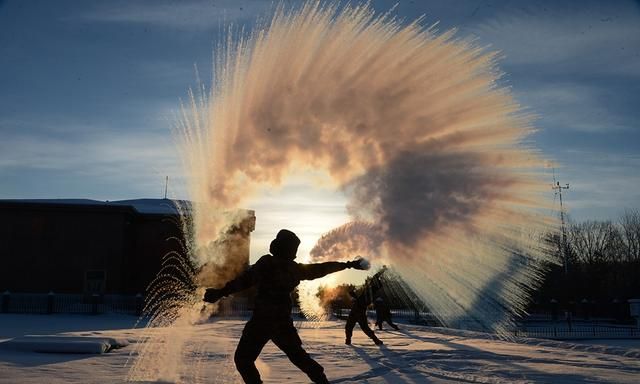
x,y
558,188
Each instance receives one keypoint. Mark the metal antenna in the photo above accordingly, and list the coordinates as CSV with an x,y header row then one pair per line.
x,y
558,188
166,182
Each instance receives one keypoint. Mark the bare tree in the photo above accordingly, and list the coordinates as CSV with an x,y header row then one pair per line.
x,y
593,241
630,235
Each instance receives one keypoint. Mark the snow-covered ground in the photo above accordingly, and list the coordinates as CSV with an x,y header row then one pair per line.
x,y
412,355
622,343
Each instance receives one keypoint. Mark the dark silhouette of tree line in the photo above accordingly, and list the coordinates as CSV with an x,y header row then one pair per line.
x,y
603,269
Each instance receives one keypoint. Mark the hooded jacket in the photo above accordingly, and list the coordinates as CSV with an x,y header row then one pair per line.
x,y
275,278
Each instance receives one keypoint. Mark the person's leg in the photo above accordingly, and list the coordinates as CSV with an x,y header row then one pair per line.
x,y
251,343
364,325
348,328
286,338
379,319
391,323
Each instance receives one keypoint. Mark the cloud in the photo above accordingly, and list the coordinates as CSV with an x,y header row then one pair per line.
x,y
575,67
183,15
571,64
601,184
576,106
568,38
130,160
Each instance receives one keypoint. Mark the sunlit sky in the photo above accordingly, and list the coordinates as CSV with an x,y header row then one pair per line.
x,y
88,88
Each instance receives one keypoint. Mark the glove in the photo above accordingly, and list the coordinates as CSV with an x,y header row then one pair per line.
x,y
211,295
359,263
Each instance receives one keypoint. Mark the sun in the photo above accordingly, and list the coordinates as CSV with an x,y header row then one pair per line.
x,y
305,204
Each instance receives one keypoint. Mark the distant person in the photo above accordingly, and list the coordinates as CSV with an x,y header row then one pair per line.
x,y
276,276
358,314
569,317
383,313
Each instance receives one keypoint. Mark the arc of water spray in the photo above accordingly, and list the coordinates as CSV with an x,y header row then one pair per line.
x,y
411,124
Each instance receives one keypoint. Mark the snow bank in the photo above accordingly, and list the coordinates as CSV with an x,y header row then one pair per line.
x,y
64,344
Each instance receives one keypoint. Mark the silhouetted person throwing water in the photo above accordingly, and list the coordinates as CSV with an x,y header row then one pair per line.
x,y
358,313
276,276
383,313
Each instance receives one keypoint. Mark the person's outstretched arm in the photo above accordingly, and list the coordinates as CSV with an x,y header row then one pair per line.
x,y
315,271
240,283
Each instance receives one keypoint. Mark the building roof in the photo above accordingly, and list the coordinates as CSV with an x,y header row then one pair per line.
x,y
144,206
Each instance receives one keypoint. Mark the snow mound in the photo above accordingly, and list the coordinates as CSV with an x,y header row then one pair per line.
x,y
64,344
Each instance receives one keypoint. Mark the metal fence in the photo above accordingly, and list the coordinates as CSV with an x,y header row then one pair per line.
x,y
577,332
240,307
70,303
406,315
39,303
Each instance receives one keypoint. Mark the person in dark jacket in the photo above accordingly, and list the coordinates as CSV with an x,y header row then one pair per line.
x,y
275,277
383,313
358,314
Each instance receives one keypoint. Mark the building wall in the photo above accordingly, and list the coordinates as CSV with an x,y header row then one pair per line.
x,y
83,248
154,237
46,248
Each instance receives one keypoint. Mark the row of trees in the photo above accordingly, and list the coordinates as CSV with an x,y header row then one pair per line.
x,y
593,242
603,265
